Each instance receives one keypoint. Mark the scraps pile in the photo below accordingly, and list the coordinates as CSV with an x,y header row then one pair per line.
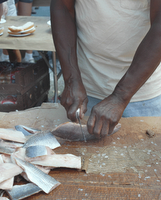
x,y
29,153
24,30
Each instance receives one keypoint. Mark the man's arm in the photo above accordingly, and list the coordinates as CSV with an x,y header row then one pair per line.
x,y
107,113
64,31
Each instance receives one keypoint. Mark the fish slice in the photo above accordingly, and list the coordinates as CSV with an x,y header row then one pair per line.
x,y
36,176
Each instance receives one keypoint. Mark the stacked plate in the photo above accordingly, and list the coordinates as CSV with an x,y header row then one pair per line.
x,y
20,31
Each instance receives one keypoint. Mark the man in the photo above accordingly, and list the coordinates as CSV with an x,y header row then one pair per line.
x,y
118,49
1,8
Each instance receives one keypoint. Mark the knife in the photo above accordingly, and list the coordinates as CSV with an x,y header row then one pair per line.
x,y
77,116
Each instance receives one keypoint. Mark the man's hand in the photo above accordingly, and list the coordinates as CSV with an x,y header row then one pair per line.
x,y
74,97
105,116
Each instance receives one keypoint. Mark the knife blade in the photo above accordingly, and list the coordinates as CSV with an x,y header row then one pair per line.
x,y
77,116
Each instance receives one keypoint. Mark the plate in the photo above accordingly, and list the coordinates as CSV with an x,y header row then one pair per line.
x,y
2,21
49,23
19,35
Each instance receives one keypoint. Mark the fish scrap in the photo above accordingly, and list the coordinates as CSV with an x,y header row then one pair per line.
x,y
36,176
23,191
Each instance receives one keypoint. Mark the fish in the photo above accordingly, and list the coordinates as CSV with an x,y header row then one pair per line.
x,y
7,184
38,150
43,138
23,191
72,132
36,176
58,160
13,145
24,131
5,150
4,198
12,135
9,170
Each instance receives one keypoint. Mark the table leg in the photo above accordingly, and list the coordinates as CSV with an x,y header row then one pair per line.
x,y
55,78
54,70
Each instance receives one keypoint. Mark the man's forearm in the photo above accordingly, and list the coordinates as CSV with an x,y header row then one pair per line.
x,y
65,37
146,60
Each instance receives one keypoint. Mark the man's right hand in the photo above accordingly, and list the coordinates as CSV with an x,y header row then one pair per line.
x,y
73,97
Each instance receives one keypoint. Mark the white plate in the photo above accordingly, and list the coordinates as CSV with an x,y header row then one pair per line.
x,y
49,23
2,21
1,33
21,35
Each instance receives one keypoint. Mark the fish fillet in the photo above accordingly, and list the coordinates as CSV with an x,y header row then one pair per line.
x,y
13,145
9,170
71,131
58,160
36,176
12,135
45,139
7,184
23,191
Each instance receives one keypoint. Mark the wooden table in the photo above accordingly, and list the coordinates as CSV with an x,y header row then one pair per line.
x,y
132,159
41,40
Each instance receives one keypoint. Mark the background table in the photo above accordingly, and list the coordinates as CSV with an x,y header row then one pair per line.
x,y
41,40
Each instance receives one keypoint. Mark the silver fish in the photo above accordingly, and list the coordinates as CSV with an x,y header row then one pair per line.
x,y
23,191
71,131
36,176
44,138
20,128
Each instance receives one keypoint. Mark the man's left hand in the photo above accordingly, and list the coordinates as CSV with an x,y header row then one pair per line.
x,y
105,116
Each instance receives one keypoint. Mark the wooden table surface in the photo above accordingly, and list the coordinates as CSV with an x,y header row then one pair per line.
x,y
132,172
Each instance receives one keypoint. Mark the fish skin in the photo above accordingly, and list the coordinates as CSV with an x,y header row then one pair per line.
x,y
43,138
20,128
58,160
36,176
34,151
72,132
23,191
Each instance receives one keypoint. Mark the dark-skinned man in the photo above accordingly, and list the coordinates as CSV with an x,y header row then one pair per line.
x,y
110,51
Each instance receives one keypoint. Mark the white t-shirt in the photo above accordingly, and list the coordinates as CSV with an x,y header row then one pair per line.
x,y
109,32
